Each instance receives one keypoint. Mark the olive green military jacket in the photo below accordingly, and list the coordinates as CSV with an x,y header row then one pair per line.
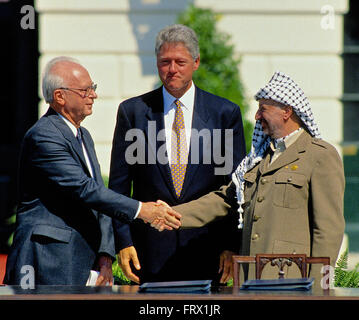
x,y
295,205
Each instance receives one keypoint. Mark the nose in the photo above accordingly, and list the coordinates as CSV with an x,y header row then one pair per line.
x,y
93,94
172,67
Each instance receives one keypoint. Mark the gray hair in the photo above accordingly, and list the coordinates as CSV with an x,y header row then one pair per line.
x,y
178,33
51,81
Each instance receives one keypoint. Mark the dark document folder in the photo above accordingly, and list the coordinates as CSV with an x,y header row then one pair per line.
x,y
278,284
198,286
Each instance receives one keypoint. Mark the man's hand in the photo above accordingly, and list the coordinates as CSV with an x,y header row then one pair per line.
x,y
125,256
226,266
160,215
105,267
158,224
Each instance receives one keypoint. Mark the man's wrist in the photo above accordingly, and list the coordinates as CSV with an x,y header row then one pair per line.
x,y
138,209
105,259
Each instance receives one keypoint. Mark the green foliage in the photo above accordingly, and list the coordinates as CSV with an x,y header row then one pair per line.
x,y
218,71
8,227
11,222
344,277
119,277
105,180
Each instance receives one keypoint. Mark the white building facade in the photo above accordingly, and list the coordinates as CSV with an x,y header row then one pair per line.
x,y
115,40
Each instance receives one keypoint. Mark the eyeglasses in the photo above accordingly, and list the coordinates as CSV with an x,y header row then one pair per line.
x,y
87,91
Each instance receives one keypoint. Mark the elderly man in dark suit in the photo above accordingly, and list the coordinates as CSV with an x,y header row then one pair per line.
x,y
166,145
63,225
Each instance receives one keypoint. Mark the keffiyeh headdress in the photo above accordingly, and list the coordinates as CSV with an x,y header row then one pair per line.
x,y
281,88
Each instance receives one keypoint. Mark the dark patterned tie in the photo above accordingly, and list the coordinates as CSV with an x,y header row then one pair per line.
x,y
79,137
179,152
80,141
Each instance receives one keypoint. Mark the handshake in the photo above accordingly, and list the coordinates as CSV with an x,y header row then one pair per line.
x,y
160,215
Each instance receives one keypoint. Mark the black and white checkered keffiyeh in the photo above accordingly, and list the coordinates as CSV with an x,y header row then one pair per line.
x,y
281,88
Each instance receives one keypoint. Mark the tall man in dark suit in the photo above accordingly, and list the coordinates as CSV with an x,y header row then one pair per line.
x,y
63,220
169,144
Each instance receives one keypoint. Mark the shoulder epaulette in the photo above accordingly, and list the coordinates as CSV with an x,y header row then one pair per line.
x,y
320,142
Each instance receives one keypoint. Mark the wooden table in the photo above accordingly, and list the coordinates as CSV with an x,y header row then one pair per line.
x,y
131,293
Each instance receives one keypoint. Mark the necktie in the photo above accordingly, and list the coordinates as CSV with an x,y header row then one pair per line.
x,y
79,137
84,151
279,149
178,150
266,160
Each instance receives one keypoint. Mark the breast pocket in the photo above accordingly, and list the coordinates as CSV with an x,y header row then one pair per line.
x,y
289,190
249,186
48,234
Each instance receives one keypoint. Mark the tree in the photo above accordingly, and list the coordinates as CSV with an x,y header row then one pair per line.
x,y
218,71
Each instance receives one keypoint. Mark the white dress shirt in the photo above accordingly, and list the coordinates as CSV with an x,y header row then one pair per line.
x,y
74,131
187,102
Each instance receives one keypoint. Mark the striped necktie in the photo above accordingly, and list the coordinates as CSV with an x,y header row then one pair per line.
x,y
178,150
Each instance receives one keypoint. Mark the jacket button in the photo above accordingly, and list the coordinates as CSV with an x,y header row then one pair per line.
x,y
260,199
264,181
256,218
255,236
289,179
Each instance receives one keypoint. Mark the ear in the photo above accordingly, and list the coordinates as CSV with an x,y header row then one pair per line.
x,y
196,63
288,111
58,97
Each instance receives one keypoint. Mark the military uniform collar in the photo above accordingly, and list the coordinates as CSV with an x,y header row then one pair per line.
x,y
285,142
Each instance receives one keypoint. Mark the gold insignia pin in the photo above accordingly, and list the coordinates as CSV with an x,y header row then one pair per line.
x,y
294,167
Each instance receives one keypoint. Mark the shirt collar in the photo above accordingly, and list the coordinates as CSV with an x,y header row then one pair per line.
x,y
187,100
70,125
284,142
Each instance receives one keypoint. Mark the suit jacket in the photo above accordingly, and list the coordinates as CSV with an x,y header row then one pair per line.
x,y
61,226
295,205
182,254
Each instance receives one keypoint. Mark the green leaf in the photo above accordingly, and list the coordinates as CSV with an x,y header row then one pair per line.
x,y
342,276
119,277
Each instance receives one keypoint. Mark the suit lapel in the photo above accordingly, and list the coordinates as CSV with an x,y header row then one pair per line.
x,y
291,154
199,122
68,135
263,165
87,140
156,113
154,126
